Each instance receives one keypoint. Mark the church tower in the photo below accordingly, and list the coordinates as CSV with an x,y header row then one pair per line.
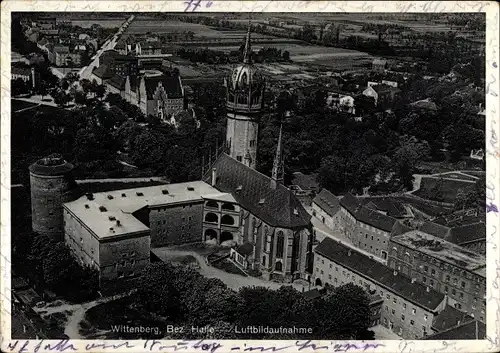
x,y
278,173
245,103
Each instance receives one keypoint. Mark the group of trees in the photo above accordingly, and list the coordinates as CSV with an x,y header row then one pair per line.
x,y
184,297
49,265
209,56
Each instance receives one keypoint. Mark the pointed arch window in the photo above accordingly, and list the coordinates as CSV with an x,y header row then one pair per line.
x,y
280,244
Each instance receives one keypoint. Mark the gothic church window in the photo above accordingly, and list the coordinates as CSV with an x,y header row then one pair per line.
x,y
280,244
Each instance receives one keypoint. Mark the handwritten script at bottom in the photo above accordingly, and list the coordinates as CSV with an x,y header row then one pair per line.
x,y
187,346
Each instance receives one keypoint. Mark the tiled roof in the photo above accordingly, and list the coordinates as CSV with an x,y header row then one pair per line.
x,y
171,84
385,89
18,70
450,317
391,206
468,233
435,229
327,201
150,45
277,207
103,72
61,49
457,235
366,215
379,273
117,82
468,331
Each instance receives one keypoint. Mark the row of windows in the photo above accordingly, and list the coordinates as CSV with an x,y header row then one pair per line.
x,y
361,283
225,206
225,219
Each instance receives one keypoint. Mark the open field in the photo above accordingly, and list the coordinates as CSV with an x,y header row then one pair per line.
x,y
200,31
105,23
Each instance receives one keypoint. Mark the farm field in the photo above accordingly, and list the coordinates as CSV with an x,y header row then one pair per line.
x,y
105,23
199,30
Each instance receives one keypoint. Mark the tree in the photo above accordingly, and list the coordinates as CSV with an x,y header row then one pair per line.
x,y
19,86
156,292
100,91
80,98
331,175
345,314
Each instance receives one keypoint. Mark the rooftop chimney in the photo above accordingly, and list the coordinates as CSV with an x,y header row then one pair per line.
x,y
214,176
428,289
413,280
349,253
118,223
395,273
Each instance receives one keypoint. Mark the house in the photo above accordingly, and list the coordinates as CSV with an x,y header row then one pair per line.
x,y
243,255
425,104
65,57
148,48
366,228
448,318
160,96
379,65
325,207
382,93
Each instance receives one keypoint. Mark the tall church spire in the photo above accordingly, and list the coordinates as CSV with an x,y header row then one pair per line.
x,y
248,49
278,165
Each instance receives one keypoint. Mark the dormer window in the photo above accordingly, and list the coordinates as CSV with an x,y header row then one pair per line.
x,y
111,218
110,197
239,188
164,192
124,195
261,201
102,209
190,188
139,193
87,206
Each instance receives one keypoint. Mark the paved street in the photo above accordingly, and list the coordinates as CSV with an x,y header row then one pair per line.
x,y
233,281
86,72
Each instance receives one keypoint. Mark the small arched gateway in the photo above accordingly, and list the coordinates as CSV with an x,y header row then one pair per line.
x,y
318,282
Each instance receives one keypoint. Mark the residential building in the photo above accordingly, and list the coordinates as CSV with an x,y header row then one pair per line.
x,y
325,207
443,266
409,308
448,318
63,56
382,93
379,65
160,96
366,228
113,64
465,228
148,48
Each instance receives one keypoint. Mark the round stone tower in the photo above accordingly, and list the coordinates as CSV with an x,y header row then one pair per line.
x,y
51,186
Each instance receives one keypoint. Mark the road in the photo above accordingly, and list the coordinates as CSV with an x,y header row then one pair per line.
x,y
77,315
86,71
233,281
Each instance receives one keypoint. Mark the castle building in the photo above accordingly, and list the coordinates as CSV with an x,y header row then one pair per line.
x,y
244,102
51,185
234,205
